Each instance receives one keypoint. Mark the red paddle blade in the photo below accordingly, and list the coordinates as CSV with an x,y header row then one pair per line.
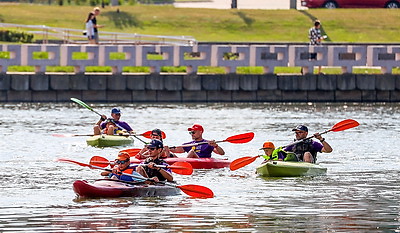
x,y
241,138
182,168
132,152
74,162
99,161
61,135
346,124
148,134
241,162
196,191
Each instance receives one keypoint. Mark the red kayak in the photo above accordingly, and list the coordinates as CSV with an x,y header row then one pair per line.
x,y
116,188
197,163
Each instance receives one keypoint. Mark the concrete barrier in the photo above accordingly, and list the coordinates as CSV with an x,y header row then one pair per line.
x,y
228,56
199,88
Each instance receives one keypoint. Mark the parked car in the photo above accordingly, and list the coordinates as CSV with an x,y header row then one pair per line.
x,y
331,4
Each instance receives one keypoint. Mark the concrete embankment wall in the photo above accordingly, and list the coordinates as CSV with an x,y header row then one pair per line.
x,y
199,88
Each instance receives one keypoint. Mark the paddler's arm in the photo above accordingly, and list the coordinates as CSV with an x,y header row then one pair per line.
x,y
102,118
327,148
168,176
217,149
176,149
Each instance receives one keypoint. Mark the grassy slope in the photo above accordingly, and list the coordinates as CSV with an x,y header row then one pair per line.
x,y
341,25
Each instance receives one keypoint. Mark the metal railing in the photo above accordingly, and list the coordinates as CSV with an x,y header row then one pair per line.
x,y
75,36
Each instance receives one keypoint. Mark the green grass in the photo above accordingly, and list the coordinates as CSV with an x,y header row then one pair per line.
x,y
212,25
216,25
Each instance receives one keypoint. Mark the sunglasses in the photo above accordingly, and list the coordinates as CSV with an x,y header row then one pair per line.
x,y
192,132
156,135
151,148
299,132
121,162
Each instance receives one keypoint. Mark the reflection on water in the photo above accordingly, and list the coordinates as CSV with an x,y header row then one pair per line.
x,y
359,193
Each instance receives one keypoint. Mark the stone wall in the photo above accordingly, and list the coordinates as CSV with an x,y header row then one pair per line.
x,y
199,88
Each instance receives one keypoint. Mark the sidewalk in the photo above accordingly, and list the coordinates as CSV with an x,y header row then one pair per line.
x,y
241,4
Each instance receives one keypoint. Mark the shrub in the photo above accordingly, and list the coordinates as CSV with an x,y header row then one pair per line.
x,y
14,36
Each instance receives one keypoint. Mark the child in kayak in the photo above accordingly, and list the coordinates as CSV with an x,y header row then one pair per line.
x,y
276,154
122,165
149,167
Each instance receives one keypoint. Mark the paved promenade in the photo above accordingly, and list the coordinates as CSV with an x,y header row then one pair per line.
x,y
241,4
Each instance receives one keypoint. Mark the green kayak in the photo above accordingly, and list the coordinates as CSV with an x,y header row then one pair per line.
x,y
109,140
287,169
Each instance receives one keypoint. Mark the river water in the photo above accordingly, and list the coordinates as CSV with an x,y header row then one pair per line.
x,y
360,192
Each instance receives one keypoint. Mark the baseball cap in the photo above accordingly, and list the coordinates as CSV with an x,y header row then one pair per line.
x,y
155,143
268,145
116,111
157,132
123,156
300,127
196,127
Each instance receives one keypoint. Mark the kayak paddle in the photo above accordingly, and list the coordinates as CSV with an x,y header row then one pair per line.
x,y
132,152
240,138
182,168
146,134
191,189
343,125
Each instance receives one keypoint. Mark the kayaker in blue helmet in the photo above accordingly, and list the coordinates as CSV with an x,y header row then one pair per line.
x,y
155,134
307,150
122,165
149,167
115,115
202,150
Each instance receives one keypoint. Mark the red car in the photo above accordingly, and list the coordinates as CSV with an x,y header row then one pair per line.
x,y
351,3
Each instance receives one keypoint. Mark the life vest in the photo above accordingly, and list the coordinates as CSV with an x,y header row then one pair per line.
x,y
128,170
302,147
279,153
153,172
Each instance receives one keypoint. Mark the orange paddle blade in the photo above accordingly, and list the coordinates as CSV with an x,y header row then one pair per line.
x,y
240,138
241,162
345,124
148,134
196,191
99,161
182,168
74,162
132,152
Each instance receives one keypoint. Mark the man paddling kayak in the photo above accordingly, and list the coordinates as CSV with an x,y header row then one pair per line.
x,y
307,149
149,169
120,125
201,150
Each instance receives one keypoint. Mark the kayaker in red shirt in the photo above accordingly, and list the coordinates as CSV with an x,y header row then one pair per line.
x,y
149,167
202,150
122,165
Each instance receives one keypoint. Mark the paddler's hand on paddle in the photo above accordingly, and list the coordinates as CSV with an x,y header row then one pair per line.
x,y
217,149
327,148
152,165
